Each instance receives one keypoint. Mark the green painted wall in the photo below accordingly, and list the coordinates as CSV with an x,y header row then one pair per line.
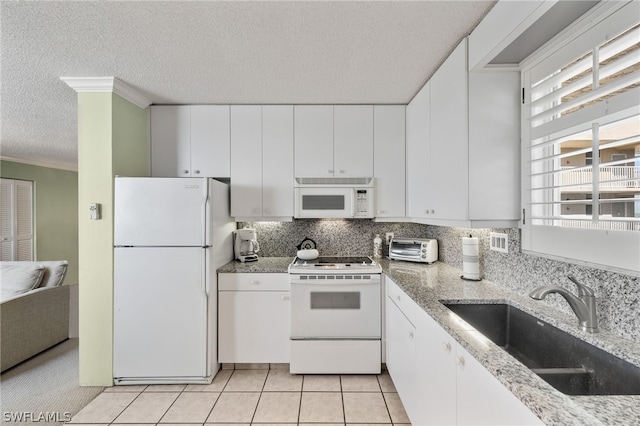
x,y
56,212
112,140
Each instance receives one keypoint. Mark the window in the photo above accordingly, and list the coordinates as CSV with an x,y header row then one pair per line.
x,y
16,220
581,142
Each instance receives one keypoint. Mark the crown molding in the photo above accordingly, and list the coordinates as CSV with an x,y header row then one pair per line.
x,y
68,168
107,84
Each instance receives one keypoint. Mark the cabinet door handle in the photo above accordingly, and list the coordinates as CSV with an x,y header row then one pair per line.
x,y
330,171
284,298
461,361
185,171
398,298
196,172
446,346
411,334
340,171
255,282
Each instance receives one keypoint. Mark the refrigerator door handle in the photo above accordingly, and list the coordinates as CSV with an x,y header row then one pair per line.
x,y
205,268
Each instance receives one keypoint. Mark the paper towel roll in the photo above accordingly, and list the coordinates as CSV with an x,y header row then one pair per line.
x,y
470,258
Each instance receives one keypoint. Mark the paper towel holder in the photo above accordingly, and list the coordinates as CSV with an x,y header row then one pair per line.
x,y
470,279
470,257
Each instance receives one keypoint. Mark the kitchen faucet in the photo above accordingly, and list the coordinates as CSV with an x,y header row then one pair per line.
x,y
584,305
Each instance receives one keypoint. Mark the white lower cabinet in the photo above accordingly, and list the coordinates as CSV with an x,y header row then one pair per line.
x,y
438,381
253,318
483,400
401,351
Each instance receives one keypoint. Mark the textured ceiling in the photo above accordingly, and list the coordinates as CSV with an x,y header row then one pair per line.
x,y
202,52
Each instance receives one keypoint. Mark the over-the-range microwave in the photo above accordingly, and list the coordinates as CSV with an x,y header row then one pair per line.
x,y
322,198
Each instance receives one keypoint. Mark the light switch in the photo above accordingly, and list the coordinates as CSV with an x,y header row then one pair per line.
x,y
94,211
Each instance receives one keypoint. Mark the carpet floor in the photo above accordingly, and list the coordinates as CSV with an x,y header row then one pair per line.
x,y
45,389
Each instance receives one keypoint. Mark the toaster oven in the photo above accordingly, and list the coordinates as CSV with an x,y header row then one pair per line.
x,y
414,249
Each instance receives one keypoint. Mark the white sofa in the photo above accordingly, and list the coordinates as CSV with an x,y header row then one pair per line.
x,y
34,309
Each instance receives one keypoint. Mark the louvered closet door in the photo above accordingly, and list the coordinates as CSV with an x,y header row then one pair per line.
x,y
7,219
16,220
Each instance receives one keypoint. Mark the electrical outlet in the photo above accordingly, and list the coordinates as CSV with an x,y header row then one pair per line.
x,y
389,236
499,242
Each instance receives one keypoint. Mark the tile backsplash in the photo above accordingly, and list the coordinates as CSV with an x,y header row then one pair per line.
x,y
618,295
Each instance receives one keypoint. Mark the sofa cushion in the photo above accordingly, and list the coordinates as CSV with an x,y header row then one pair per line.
x,y
54,272
19,277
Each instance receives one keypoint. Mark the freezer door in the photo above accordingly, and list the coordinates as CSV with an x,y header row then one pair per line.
x,y
160,313
161,211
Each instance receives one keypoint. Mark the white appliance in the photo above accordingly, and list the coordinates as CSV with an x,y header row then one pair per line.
x,y
319,198
335,316
171,234
245,245
414,249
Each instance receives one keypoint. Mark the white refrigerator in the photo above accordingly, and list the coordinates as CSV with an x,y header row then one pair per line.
x,y
171,234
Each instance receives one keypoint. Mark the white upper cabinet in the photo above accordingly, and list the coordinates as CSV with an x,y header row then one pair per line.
x,y
389,160
494,146
333,141
277,161
449,138
190,141
313,140
471,151
418,153
210,146
170,140
246,160
261,162
353,140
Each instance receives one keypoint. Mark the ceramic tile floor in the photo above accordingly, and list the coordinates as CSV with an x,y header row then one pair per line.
x,y
253,397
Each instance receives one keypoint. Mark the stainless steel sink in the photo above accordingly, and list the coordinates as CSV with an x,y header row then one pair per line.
x,y
567,363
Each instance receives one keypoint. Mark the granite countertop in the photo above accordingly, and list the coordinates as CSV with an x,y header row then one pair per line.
x,y
428,285
262,265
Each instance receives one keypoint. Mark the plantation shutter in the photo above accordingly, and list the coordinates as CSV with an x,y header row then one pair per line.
x,y
582,110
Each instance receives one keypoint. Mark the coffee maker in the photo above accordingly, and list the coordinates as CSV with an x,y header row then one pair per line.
x,y
246,245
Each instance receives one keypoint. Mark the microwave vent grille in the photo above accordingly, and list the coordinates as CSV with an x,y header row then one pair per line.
x,y
334,181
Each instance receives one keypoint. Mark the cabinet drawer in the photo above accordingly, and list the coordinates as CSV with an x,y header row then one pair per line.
x,y
406,305
253,282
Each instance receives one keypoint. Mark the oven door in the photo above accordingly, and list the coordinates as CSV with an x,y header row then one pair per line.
x,y
323,202
335,306
405,249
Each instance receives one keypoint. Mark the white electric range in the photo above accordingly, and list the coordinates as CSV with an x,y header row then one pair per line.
x,y
335,316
